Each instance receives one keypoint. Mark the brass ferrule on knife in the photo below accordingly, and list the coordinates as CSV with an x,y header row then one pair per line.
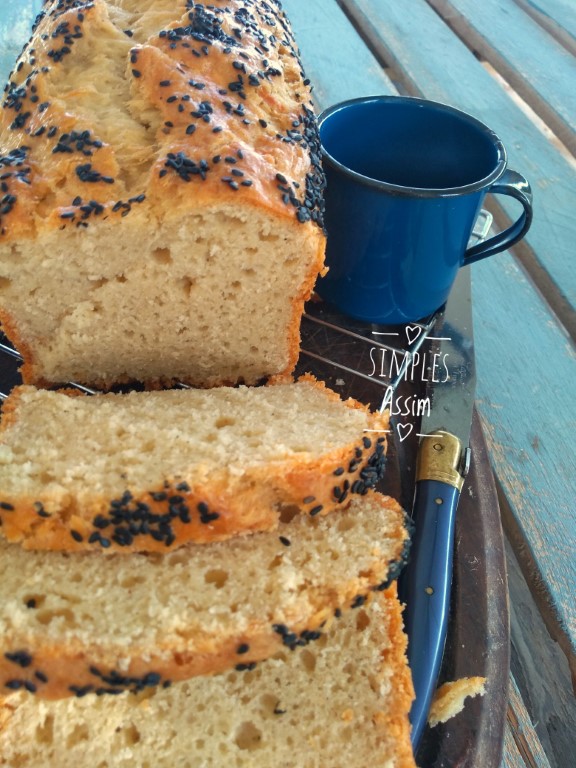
x,y
439,458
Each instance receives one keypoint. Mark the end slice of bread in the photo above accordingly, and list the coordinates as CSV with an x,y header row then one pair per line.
x,y
342,702
149,471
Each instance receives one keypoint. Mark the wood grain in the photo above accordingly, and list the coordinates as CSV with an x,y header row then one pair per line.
x,y
557,17
338,63
541,672
535,65
522,732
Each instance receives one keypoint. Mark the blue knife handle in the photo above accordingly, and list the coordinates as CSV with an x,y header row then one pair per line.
x,y
426,591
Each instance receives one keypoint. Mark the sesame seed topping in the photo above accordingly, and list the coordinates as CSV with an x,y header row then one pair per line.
x,y
242,648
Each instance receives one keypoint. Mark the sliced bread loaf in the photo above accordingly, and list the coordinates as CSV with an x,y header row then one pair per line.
x,y
162,192
341,702
148,471
76,623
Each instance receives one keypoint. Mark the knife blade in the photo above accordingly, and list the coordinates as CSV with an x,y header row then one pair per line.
x,y
442,463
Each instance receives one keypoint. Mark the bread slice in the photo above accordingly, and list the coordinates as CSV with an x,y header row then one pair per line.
x,y
76,623
149,471
161,194
341,702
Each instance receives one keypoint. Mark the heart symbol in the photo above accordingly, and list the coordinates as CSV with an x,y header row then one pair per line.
x,y
412,333
404,430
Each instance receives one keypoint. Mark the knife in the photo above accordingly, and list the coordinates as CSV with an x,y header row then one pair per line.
x,y
442,463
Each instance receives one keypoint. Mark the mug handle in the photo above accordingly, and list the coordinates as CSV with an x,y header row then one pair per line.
x,y
514,185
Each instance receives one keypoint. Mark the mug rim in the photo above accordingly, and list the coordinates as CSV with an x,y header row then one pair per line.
x,y
398,189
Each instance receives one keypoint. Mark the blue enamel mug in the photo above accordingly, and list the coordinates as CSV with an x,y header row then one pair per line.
x,y
406,180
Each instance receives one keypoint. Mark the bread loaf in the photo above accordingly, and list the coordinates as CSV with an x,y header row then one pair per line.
x,y
161,194
78,623
341,702
149,471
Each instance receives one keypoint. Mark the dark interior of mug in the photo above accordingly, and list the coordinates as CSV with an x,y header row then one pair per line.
x,y
411,143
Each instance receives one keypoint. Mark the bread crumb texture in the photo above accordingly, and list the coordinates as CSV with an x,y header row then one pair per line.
x,y
160,193
73,624
284,713
150,471
450,698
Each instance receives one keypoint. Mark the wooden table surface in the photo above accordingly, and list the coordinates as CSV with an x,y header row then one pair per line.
x,y
510,63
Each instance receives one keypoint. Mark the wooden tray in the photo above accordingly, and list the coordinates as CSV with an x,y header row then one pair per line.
x,y
478,632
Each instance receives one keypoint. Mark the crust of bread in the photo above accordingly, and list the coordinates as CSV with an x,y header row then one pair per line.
x,y
353,710
203,503
450,698
47,648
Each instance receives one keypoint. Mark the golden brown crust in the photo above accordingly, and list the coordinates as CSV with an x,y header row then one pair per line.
x,y
397,726
196,506
230,75
450,697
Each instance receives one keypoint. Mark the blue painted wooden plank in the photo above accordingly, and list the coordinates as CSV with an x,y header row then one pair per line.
x,y
560,15
526,367
522,747
16,18
439,66
338,50
526,397
541,71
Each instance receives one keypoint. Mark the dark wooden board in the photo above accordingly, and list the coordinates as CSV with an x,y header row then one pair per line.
x,y
478,633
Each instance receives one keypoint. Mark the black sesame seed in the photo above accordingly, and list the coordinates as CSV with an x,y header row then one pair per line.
x,y
81,691
242,648
316,510
308,499
5,505
285,541
339,471
77,536
21,658
245,667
